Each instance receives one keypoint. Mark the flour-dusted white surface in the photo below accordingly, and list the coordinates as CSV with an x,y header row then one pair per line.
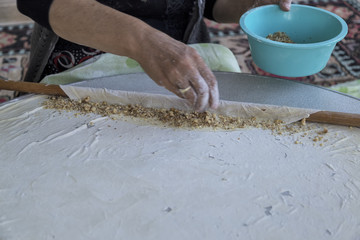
x,y
90,177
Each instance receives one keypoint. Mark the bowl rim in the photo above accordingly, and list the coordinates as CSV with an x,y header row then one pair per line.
x,y
330,41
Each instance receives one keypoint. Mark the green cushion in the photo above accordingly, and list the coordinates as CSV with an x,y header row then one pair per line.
x,y
351,88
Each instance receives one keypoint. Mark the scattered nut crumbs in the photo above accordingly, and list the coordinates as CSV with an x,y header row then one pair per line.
x,y
177,118
171,117
317,138
324,131
280,37
303,121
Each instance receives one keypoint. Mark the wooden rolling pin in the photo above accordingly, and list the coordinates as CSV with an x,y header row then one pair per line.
x,y
30,87
338,118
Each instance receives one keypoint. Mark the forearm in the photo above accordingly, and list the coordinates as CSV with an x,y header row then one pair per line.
x,y
170,63
93,24
230,11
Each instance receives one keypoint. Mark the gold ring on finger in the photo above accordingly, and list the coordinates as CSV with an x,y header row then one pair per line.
x,y
184,90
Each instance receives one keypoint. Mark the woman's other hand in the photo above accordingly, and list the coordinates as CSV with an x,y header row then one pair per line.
x,y
230,11
285,5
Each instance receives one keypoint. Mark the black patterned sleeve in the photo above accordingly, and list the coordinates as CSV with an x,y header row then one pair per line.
x,y
37,10
209,5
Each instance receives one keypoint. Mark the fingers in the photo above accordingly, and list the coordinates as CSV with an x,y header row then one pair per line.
x,y
205,85
180,69
202,93
198,85
181,87
201,89
194,89
211,82
285,5
184,90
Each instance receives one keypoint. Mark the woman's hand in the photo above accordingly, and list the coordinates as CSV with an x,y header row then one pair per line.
x,y
230,11
170,63
178,68
284,4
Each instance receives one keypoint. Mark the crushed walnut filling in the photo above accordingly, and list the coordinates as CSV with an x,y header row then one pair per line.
x,y
182,119
280,37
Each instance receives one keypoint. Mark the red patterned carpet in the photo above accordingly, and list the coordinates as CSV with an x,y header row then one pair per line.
x,y
14,54
343,66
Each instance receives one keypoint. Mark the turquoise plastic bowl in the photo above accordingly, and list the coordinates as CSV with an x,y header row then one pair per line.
x,y
315,32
